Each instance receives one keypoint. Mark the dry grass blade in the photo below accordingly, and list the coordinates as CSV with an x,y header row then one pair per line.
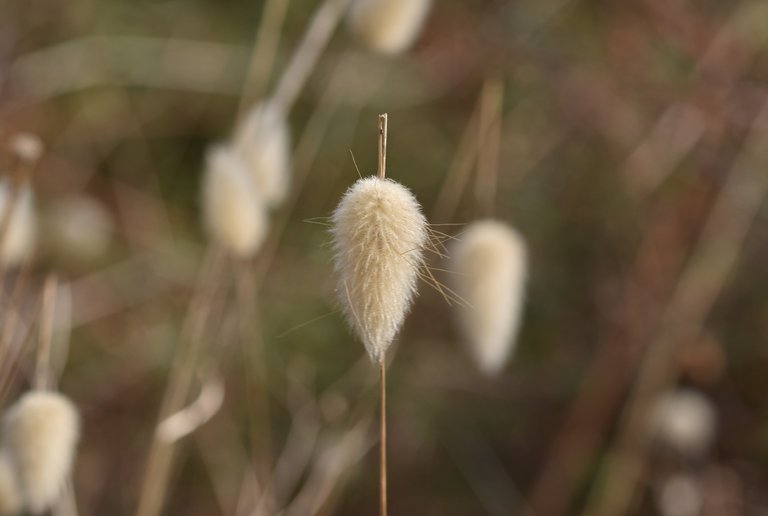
x,y
43,375
321,27
160,459
333,462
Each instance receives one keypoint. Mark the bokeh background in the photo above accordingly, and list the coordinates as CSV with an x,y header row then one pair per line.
x,y
633,157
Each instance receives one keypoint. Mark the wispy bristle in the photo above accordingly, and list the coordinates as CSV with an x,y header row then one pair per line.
x,y
41,431
379,235
10,494
388,26
21,233
489,262
234,213
263,140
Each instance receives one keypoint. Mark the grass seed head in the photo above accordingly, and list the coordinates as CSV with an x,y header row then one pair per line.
x,y
379,234
21,234
680,495
27,147
10,495
79,228
685,420
489,265
41,432
263,140
234,213
388,26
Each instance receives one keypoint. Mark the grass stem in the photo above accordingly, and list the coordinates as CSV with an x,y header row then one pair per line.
x,y
383,437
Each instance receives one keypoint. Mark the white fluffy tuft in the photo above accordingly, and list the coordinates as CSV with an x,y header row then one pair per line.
x,y
19,240
79,227
42,430
685,421
680,495
234,213
27,146
388,26
10,494
489,264
379,235
263,140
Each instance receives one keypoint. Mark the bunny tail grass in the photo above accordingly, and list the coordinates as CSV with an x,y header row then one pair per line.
x,y
263,140
21,230
388,26
10,493
489,262
684,420
41,432
233,212
379,234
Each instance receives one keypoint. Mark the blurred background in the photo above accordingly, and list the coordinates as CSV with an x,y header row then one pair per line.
x,y
632,156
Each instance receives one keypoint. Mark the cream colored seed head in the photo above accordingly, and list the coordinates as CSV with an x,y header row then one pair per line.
x,y
79,228
263,140
27,147
489,265
234,213
388,26
41,432
379,235
685,421
21,234
680,495
10,494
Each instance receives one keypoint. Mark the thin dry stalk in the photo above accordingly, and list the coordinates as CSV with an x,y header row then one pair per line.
x,y
382,172
252,345
8,324
197,413
297,451
16,345
161,454
43,378
699,286
263,53
305,154
321,27
488,146
331,465
225,458
382,162
456,180
383,439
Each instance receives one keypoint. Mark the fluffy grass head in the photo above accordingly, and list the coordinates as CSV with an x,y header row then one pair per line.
x,y
379,234
21,234
388,26
41,432
489,265
27,147
685,421
263,139
79,228
234,213
10,494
